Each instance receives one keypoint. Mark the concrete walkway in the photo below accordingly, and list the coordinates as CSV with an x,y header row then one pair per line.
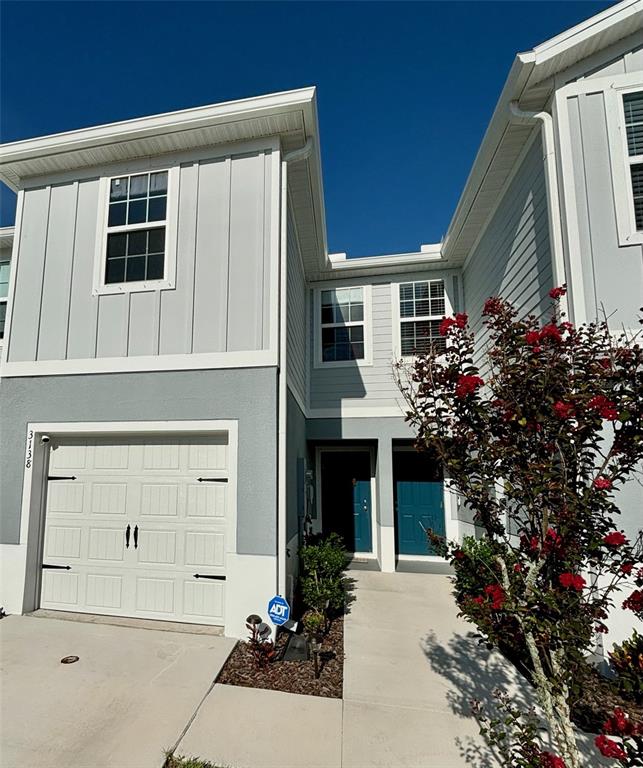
x,y
411,670
128,698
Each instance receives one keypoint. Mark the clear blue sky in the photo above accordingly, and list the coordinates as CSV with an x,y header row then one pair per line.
x,y
405,89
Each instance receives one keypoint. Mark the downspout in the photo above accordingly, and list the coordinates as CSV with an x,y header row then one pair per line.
x,y
524,117
282,491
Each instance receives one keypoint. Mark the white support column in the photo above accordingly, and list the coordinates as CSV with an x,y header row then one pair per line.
x,y
385,507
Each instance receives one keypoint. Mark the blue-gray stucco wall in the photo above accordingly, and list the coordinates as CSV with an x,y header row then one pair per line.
x,y
248,395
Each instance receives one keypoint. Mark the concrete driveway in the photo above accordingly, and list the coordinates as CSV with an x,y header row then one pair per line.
x,y
130,696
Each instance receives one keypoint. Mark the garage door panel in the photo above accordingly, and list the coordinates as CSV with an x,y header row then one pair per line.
x,y
206,549
153,486
108,498
207,500
203,600
159,500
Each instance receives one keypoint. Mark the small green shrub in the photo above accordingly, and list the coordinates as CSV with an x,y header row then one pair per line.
x,y
627,662
323,587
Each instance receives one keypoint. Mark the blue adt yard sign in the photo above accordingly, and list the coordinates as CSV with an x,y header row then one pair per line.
x,y
278,610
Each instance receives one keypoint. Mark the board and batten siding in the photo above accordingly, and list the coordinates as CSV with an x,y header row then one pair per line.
x,y
356,386
512,258
221,301
296,314
612,274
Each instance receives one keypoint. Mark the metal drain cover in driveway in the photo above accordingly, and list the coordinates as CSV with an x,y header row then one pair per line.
x,y
69,659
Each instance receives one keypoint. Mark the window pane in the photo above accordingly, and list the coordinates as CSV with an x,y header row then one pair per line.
x,y
328,336
156,209
421,290
437,289
358,351
343,351
118,189
327,315
155,267
357,313
341,333
406,292
327,298
3,314
633,108
4,278
356,296
136,242
328,353
406,309
137,212
115,271
356,333
637,192
438,307
138,186
116,245
423,307
343,295
158,183
157,240
342,313
135,269
117,212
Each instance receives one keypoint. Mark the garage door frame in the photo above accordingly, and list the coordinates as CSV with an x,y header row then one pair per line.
x,y
32,520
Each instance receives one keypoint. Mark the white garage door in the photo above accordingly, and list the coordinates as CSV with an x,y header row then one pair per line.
x,y
141,531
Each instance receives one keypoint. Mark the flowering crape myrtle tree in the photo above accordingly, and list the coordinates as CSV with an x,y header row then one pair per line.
x,y
537,449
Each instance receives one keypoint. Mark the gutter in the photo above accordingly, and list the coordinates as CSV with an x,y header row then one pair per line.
x,y
517,115
282,430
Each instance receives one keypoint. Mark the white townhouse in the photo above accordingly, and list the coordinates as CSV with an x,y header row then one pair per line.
x,y
189,378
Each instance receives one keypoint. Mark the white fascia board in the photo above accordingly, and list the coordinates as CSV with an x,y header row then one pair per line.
x,y
155,125
374,265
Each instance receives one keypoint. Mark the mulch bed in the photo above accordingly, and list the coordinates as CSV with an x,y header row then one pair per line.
x,y
291,676
597,701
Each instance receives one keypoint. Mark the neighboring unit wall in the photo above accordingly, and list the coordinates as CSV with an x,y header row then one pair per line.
x,y
296,317
512,258
296,463
368,384
248,396
223,298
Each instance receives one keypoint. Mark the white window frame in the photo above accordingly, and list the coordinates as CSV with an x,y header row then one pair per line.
x,y
621,159
171,221
395,308
366,322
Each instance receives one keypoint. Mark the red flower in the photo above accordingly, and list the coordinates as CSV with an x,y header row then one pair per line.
x,y
445,325
549,760
492,306
563,410
572,581
532,337
458,555
467,385
497,595
614,539
627,568
619,723
609,748
605,362
518,568
550,332
478,600
602,483
567,327
634,602
461,319
556,293
606,408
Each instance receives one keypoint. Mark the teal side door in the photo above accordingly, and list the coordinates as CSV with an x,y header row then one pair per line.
x,y
420,506
362,515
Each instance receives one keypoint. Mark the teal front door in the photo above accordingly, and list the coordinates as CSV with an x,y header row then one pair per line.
x,y
419,501
346,497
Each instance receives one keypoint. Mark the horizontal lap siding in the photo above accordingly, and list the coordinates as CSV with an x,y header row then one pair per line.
x,y
513,257
222,295
296,323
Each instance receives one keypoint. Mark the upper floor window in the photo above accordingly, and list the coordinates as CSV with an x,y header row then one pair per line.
x,y
134,253
633,113
342,326
422,307
4,292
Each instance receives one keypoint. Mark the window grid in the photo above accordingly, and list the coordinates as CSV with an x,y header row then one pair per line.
x,y
4,292
422,307
135,251
342,324
633,112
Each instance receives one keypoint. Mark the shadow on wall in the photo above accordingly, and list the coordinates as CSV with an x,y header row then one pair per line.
x,y
473,672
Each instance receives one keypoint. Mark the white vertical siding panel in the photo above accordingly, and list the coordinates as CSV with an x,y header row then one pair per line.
x,y
246,265
113,322
54,311
211,269
83,309
271,192
296,303
25,319
177,305
143,335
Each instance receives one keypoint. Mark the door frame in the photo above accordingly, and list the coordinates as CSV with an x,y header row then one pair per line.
x,y
34,487
449,504
317,523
